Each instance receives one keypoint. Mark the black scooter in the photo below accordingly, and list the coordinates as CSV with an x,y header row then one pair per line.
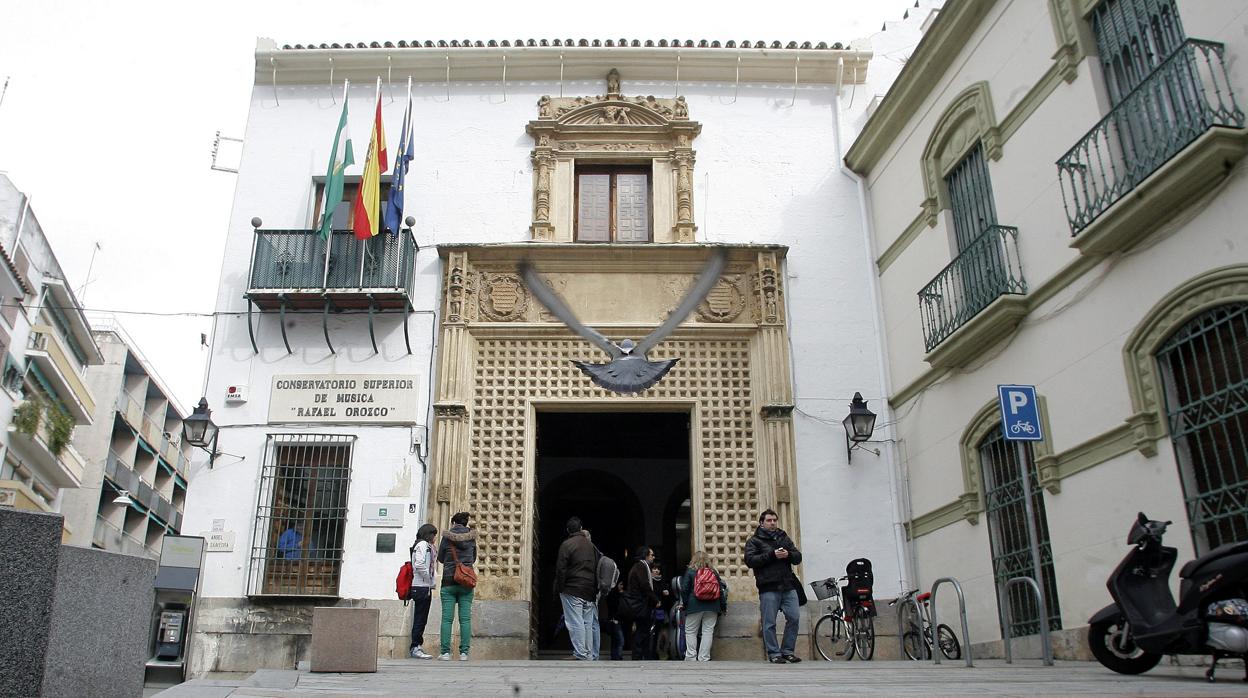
x,y
1131,635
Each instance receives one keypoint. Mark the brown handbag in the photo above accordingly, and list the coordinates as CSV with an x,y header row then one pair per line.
x,y
464,575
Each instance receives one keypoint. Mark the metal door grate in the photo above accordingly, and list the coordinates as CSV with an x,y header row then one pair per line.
x,y
301,514
1133,38
970,198
1007,533
1203,368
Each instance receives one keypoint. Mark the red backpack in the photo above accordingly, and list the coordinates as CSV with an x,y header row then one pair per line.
x,y
403,582
706,585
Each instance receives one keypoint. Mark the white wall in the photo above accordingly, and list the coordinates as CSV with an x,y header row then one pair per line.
x,y
1071,346
767,172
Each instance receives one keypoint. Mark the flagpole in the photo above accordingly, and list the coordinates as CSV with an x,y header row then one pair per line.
x,y
372,142
406,142
329,244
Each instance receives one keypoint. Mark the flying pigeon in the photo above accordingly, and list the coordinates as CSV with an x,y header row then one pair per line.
x,y
628,371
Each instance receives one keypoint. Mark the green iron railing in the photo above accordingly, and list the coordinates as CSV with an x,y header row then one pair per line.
x,y
1206,378
1009,540
1186,95
297,260
987,269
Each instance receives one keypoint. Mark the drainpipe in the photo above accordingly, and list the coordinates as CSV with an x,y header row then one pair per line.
x,y
897,480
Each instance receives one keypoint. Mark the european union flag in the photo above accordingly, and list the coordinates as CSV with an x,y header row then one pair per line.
x,y
393,217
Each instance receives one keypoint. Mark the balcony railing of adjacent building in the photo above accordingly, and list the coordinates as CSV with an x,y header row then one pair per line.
x,y
151,432
1185,96
302,269
147,496
48,351
987,269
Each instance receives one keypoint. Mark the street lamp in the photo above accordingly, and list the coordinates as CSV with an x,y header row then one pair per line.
x,y
199,431
859,424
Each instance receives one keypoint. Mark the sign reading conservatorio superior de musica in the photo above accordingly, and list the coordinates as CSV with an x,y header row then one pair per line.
x,y
351,398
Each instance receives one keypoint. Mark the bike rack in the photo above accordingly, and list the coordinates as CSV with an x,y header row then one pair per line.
x,y
1046,643
966,635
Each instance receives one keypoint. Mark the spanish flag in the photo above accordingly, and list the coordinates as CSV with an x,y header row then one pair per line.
x,y
367,206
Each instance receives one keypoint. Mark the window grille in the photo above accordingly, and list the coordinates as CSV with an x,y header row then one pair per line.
x,y
1206,392
301,511
970,198
1007,533
1133,38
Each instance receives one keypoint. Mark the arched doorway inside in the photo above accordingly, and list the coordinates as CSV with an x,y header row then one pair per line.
x,y
626,475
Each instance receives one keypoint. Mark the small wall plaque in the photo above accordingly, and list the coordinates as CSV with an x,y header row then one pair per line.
x,y
389,515
385,542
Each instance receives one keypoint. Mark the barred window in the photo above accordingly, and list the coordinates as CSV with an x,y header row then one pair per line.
x,y
1007,534
1205,374
301,512
970,198
1133,37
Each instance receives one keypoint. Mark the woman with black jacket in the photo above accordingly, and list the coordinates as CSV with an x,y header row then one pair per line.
x,y
640,600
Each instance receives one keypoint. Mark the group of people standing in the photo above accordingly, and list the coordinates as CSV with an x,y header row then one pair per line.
x,y
457,547
594,599
592,596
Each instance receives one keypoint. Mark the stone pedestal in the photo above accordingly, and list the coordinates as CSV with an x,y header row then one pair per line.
x,y
345,639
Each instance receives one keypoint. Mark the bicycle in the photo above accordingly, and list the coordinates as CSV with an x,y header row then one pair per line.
x,y
916,635
842,633
832,634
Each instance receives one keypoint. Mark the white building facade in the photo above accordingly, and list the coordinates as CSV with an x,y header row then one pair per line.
x,y
1057,195
47,347
364,388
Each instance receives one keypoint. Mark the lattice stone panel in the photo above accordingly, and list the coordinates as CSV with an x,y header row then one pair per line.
x,y
510,372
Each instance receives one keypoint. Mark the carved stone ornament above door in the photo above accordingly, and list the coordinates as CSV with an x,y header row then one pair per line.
x,y
613,129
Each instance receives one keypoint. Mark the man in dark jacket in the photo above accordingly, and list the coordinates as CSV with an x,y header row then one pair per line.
x,y
771,554
576,580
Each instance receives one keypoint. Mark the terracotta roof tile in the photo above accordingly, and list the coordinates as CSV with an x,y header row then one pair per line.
x,y
576,43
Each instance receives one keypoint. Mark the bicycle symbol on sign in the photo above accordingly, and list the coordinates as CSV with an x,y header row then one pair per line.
x,y
1022,427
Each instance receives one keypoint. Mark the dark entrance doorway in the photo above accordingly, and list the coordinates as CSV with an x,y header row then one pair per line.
x,y
626,475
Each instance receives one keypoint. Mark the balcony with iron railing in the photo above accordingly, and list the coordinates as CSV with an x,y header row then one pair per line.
x,y
49,354
300,269
975,300
1168,140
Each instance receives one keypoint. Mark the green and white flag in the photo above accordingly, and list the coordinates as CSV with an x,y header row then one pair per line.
x,y
340,158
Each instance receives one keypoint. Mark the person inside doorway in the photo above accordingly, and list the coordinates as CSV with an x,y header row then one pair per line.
x,y
640,600
459,545
772,555
576,582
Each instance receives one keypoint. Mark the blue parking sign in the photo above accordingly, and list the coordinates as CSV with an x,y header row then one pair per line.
x,y
1020,413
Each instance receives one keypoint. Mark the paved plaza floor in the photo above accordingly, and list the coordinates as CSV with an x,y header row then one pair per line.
x,y
810,678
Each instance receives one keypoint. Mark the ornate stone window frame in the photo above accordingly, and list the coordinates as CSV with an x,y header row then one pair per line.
x,y
985,420
612,129
969,119
1193,297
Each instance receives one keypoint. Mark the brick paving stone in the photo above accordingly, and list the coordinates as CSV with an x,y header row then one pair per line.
x,y
1025,679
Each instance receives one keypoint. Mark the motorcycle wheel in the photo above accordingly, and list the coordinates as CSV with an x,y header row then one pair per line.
x,y
1113,647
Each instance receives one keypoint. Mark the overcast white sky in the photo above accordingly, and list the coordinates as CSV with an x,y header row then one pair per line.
x,y
111,108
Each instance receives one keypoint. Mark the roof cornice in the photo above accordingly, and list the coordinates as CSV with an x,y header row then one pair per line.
x,y
936,51
295,66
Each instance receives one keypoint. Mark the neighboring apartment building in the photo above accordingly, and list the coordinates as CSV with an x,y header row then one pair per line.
x,y
134,483
1058,197
47,346
373,386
